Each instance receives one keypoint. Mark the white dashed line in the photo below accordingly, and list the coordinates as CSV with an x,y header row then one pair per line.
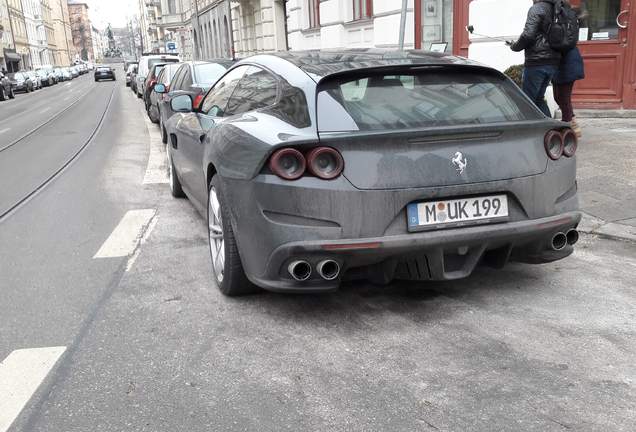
x,y
45,110
128,234
21,373
4,130
66,98
156,170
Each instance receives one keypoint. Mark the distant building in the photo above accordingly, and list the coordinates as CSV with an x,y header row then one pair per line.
x,y
81,30
63,52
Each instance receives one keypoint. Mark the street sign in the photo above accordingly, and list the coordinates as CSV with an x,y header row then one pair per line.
x,y
171,46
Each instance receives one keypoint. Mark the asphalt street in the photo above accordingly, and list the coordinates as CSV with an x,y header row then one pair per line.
x,y
110,320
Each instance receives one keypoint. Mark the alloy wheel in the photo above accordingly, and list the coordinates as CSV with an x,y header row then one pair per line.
x,y
215,231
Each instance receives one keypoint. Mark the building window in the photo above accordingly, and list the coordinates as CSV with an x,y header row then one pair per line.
x,y
314,13
362,9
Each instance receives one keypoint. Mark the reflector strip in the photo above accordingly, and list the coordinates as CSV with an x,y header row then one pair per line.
x,y
353,246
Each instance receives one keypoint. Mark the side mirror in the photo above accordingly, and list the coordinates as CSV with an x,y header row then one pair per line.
x,y
160,88
182,103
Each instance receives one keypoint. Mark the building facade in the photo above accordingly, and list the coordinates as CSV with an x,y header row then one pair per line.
x,y
18,59
151,32
174,21
63,53
38,35
81,30
315,24
7,46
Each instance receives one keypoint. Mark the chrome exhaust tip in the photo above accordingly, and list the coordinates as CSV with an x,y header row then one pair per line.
x,y
559,241
299,270
573,237
328,269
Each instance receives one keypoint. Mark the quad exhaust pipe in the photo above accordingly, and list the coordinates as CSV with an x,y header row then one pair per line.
x,y
561,240
572,236
299,270
328,269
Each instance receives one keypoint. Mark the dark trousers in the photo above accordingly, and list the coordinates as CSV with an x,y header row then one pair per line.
x,y
563,96
536,80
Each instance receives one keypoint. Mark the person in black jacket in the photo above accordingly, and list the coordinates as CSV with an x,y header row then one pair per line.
x,y
542,61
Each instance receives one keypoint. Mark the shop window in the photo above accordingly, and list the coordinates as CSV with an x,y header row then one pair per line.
x,y
362,9
314,13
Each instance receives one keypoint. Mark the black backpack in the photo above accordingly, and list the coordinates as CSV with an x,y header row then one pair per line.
x,y
563,33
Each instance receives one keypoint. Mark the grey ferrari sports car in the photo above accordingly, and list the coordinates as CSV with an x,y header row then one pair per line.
x,y
317,167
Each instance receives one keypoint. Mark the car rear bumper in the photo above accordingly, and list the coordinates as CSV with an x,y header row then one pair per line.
x,y
436,256
365,232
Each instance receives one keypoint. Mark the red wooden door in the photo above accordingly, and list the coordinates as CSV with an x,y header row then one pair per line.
x,y
460,21
605,42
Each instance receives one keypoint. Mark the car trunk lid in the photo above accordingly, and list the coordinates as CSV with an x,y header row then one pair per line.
x,y
441,158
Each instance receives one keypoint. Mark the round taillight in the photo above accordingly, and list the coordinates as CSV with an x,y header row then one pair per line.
x,y
325,163
570,142
288,164
554,144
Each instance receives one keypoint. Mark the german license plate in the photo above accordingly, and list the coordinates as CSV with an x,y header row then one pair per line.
x,y
463,211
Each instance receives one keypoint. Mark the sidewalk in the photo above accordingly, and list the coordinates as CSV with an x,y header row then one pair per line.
x,y
607,177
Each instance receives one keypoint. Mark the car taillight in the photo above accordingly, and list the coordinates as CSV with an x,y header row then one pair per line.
x,y
560,143
288,164
325,163
197,101
570,142
554,144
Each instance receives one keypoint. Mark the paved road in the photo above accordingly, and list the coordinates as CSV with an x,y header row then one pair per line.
x,y
109,320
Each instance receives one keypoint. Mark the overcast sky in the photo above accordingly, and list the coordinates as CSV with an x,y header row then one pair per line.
x,y
115,12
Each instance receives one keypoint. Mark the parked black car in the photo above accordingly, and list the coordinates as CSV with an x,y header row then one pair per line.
x,y
6,87
193,78
22,82
151,80
104,72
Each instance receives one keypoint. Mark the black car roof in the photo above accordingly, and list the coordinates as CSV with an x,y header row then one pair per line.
x,y
328,62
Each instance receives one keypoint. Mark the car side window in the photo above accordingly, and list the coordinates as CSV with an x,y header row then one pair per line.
x,y
216,100
162,76
187,79
176,79
257,89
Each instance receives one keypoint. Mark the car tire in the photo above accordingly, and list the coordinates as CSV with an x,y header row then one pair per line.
x,y
155,119
164,132
138,95
2,97
173,180
11,94
230,278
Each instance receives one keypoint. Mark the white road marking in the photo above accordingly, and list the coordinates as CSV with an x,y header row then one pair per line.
x,y
133,257
21,373
66,98
624,130
45,110
4,130
157,168
127,235
67,84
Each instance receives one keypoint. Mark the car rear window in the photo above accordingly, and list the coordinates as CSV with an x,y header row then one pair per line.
x,y
419,99
154,61
103,69
208,73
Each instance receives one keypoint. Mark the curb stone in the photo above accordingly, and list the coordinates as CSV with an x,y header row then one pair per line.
x,y
612,230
